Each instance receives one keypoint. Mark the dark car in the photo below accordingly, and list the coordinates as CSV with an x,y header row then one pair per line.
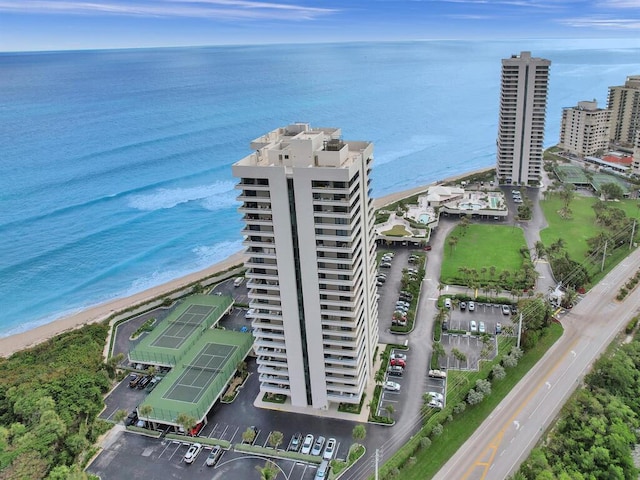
x,y
143,382
134,379
131,418
296,441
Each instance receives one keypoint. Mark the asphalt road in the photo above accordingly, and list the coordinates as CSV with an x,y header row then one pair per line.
x,y
505,439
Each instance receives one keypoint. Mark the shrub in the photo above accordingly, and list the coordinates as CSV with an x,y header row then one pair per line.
x,y
483,386
437,430
459,408
425,442
474,397
498,372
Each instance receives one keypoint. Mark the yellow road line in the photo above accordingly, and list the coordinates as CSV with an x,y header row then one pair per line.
x,y
497,439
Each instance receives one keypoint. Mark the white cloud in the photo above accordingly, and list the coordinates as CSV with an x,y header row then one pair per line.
x,y
603,23
618,4
218,9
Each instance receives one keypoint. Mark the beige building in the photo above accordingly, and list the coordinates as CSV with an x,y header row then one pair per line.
x,y
309,238
584,129
624,103
635,166
523,105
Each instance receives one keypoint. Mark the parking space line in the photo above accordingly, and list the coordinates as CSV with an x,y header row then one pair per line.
x,y
234,434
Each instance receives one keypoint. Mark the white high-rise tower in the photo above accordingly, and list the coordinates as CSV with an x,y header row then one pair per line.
x,y
523,105
310,248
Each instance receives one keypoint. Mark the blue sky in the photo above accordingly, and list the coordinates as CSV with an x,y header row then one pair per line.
x,y
78,24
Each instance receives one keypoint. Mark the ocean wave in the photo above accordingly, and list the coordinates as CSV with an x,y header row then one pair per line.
x,y
164,198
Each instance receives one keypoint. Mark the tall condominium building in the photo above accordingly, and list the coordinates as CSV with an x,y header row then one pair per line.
x,y
523,105
624,103
584,129
310,250
635,167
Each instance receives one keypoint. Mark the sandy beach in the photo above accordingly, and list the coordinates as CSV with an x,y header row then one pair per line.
x,y
30,338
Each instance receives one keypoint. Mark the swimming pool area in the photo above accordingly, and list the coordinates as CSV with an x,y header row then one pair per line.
x,y
493,201
425,218
470,206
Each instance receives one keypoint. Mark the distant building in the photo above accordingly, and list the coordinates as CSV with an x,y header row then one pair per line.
x,y
311,266
635,166
523,105
624,103
584,129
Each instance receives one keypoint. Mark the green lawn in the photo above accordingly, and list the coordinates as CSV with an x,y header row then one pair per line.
x,y
397,231
430,460
482,246
581,226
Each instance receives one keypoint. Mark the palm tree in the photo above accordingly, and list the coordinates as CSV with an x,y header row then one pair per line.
x,y
540,250
359,433
483,272
379,378
492,271
186,421
145,410
389,408
268,472
120,415
275,439
453,241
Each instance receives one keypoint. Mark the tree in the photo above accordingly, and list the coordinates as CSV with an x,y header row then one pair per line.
x,y
452,242
145,410
379,378
539,250
275,439
567,194
474,397
498,372
186,421
483,386
389,408
437,430
438,351
359,433
249,435
458,355
120,415
268,472
611,191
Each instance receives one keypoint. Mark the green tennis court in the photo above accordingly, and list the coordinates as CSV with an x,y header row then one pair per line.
x,y
197,376
183,327
571,174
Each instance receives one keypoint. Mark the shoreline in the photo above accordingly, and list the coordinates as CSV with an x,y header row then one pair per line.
x,y
30,338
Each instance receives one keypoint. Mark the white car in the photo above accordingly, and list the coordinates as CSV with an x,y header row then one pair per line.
x,y
473,326
392,386
436,404
317,446
192,453
481,327
436,396
471,306
506,310
307,444
437,374
398,356
330,449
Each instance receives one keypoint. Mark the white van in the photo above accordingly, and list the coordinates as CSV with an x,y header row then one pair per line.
x,y
238,281
323,470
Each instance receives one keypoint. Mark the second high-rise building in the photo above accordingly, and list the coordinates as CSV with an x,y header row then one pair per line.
x,y
523,105
310,250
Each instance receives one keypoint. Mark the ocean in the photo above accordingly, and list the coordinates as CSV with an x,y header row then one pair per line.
x,y
115,165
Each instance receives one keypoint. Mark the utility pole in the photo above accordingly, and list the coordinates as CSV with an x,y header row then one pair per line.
x,y
604,255
519,329
633,231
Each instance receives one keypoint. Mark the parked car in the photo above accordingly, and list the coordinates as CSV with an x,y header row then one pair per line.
x,y
395,371
392,386
404,293
317,446
463,305
445,326
436,396
427,248
134,379
143,382
192,453
131,419
213,456
437,373
307,444
472,306
473,326
296,441
398,362
506,310
436,404
330,449
323,470
481,327
447,302
385,265
399,356
498,328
